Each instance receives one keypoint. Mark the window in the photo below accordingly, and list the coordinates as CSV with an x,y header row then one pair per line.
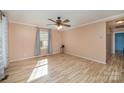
x,y
44,39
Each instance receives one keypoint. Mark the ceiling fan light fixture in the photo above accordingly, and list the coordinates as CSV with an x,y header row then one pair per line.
x,y
59,27
120,22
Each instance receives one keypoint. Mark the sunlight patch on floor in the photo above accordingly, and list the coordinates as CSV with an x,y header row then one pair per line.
x,y
40,70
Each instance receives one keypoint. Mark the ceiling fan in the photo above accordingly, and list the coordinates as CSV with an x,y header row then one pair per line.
x,y
59,23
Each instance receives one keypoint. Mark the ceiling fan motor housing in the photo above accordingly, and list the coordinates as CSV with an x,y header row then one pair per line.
x,y
59,17
58,21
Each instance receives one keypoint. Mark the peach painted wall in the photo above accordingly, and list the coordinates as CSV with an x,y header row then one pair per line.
x,y
22,41
87,42
56,41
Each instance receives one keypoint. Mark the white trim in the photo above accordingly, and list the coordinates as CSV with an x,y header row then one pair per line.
x,y
32,57
21,23
26,24
113,45
86,58
24,58
100,20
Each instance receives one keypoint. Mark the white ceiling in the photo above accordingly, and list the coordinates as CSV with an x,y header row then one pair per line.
x,y
77,17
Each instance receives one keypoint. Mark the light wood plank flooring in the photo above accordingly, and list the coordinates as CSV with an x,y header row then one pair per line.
x,y
63,68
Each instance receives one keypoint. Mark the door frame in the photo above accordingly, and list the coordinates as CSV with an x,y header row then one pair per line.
x,y
113,40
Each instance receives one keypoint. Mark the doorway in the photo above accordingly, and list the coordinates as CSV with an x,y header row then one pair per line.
x,y
119,43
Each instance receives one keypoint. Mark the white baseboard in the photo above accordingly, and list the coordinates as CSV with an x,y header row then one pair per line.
x,y
58,53
86,58
20,59
32,57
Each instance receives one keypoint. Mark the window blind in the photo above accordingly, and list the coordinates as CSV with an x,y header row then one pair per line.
x,y
43,35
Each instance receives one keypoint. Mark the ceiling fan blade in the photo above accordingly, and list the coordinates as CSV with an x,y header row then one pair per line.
x,y
66,21
52,20
66,25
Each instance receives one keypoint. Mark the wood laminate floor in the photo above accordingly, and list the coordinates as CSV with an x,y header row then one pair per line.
x,y
63,68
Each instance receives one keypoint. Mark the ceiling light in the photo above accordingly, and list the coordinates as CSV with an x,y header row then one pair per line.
x,y
59,27
120,22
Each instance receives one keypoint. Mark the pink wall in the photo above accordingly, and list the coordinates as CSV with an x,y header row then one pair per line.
x,y
87,42
22,41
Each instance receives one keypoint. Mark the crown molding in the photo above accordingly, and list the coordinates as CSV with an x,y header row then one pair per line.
x,y
21,23
100,20
74,27
26,24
